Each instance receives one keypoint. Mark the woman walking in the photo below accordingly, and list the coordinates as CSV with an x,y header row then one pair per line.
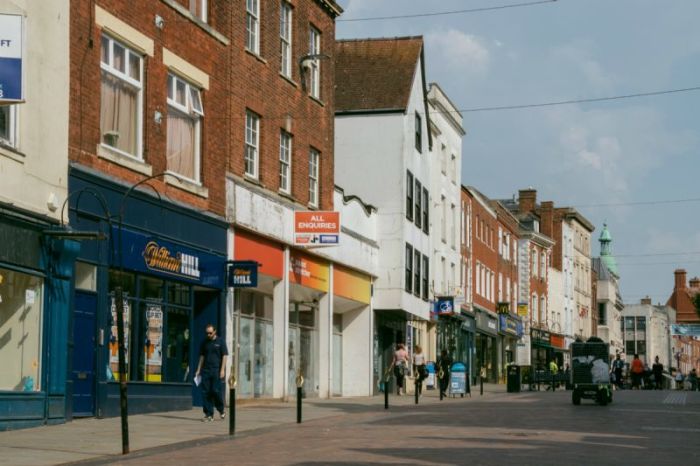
x,y
400,365
419,368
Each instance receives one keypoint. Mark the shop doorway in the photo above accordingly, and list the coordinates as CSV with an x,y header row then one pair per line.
x,y
83,371
255,358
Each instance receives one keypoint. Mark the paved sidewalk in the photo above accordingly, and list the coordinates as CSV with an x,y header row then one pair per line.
x,y
91,438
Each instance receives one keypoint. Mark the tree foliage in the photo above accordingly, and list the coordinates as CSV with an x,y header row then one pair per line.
x,y
696,302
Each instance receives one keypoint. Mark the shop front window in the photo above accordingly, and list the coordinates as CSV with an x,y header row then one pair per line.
x,y
255,340
20,327
303,347
157,329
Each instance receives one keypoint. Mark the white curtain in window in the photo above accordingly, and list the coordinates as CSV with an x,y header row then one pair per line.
x,y
118,114
181,144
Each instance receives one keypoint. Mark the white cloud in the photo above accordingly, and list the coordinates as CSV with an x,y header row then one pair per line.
x,y
459,51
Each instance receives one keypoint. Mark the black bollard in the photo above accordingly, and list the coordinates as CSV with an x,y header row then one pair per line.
x,y
554,387
386,395
417,390
481,385
298,405
232,412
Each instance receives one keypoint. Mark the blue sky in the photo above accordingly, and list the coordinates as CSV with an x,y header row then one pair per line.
x,y
582,155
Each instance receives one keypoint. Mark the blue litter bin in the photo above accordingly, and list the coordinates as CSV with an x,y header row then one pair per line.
x,y
458,379
430,380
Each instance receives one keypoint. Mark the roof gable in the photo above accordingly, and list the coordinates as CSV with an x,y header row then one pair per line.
x,y
373,75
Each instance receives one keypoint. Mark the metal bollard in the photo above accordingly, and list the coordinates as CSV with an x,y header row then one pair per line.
x,y
300,383
440,375
232,404
417,389
554,386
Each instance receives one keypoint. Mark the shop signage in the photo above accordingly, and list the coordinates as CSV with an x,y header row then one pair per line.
x,y
316,228
242,274
522,309
692,330
11,58
541,336
352,285
503,308
486,323
444,306
144,253
508,324
306,271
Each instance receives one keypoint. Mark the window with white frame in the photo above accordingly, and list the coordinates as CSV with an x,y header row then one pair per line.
x,y
286,39
443,159
453,235
408,279
315,70
443,220
314,158
543,264
416,272
533,263
185,113
285,161
535,312
252,142
426,274
198,8
8,125
426,211
543,307
252,26
417,216
453,166
419,133
121,98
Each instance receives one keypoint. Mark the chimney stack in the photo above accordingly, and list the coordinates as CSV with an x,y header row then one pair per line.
x,y
527,200
695,282
547,218
646,300
680,276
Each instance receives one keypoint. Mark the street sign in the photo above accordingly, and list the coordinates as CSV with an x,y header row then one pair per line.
x,y
11,58
444,306
315,228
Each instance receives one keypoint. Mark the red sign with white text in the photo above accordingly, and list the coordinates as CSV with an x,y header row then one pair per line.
x,y
316,228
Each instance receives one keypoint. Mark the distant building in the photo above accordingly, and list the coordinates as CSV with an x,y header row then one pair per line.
x,y
608,297
645,331
686,348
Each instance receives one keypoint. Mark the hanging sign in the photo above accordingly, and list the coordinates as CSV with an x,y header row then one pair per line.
x,y
316,228
11,58
444,306
243,274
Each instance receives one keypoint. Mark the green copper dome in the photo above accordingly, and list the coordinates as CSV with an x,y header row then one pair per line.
x,y
606,254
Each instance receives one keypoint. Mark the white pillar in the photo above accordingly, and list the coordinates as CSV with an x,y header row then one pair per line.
x,y
357,352
325,334
280,332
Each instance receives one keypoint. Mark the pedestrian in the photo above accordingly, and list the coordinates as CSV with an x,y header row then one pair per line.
x,y
211,370
400,365
693,379
618,366
679,380
444,365
636,370
553,369
419,368
658,370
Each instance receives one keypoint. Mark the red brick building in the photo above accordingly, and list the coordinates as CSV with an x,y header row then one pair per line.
x,y
174,105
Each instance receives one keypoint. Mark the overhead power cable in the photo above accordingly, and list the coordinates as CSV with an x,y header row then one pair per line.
x,y
445,13
579,101
621,204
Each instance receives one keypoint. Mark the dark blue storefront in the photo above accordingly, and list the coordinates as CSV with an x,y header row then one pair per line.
x,y
170,262
36,266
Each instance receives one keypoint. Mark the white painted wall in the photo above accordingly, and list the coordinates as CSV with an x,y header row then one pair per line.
x,y
568,280
445,182
35,172
372,155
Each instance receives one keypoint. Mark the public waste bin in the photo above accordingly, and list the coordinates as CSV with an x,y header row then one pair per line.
x,y
458,379
430,380
513,375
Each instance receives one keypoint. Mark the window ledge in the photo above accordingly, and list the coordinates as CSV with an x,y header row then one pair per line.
x,y
256,56
11,153
204,26
127,161
186,185
286,195
252,180
317,100
289,80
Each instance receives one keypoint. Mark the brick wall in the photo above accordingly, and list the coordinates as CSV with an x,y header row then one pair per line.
x,y
238,80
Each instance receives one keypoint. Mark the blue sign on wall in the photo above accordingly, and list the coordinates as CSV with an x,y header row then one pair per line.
x,y
151,254
242,274
10,57
444,306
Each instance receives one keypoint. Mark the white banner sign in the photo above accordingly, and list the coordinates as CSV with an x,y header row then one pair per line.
x,y
10,58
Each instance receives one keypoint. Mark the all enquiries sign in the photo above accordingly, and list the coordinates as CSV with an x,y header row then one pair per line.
x,y
11,58
316,228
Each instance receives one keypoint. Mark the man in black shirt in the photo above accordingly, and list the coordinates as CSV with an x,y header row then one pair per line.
x,y
658,370
212,369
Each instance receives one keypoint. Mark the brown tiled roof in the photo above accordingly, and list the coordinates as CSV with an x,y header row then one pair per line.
x,y
375,74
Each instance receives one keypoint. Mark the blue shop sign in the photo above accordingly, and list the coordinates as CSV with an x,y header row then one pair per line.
x,y
508,324
150,254
444,306
242,274
11,49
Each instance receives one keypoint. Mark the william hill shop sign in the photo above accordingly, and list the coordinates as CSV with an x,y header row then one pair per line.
x,y
147,254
